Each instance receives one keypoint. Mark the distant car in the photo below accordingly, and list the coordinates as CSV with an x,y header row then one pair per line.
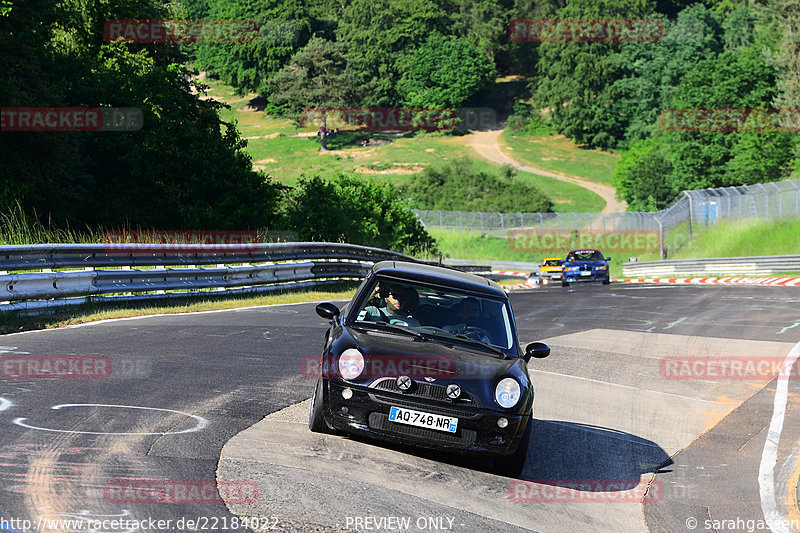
x,y
550,269
585,265
429,357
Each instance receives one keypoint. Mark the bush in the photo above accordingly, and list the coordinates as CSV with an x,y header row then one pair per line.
x,y
458,186
352,210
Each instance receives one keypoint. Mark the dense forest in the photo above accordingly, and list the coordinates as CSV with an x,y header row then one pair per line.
x,y
188,169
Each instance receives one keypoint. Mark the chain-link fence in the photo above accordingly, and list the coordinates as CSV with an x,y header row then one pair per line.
x,y
690,214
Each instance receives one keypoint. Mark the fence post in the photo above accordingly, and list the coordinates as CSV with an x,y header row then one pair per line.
x,y
481,214
502,227
460,224
691,214
541,222
780,200
796,199
660,239
522,220
440,219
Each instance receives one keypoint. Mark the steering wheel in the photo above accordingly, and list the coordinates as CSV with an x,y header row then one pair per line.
x,y
476,333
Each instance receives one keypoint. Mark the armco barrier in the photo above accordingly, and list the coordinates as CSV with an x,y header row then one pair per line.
x,y
756,266
147,271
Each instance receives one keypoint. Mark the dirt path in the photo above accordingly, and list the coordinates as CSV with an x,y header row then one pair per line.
x,y
487,145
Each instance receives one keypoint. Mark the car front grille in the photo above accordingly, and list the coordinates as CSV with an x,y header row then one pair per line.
x,y
462,438
423,389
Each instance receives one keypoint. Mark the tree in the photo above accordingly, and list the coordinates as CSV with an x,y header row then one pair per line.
x,y
316,78
444,72
576,78
249,66
652,70
379,33
350,209
642,176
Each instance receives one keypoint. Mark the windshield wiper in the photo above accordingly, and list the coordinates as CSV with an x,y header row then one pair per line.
x,y
485,345
394,327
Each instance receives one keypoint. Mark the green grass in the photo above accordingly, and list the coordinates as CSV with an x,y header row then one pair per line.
x,y
744,239
556,153
275,148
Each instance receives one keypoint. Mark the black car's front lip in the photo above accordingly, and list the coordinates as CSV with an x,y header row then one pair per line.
x,y
367,411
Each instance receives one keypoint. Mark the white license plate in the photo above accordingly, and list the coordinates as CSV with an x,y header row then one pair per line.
x,y
401,415
585,273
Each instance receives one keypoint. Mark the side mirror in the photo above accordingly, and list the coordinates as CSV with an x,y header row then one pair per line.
x,y
608,259
328,311
539,350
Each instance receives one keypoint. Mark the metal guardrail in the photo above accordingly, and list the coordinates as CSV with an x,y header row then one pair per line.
x,y
140,271
129,272
771,264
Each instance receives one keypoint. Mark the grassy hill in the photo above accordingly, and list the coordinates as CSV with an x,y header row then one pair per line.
x,y
286,152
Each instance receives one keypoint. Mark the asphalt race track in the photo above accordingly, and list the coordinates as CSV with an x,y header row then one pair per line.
x,y
628,436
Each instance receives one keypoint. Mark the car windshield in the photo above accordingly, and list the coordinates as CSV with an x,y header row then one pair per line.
x,y
553,262
447,313
585,255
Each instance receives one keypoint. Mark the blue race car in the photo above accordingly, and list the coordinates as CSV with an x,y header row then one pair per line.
x,y
585,265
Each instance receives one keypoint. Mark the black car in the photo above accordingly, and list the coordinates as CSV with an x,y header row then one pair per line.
x,y
428,356
585,265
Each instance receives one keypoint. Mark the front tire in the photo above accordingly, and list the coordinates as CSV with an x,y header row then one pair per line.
x,y
514,464
606,281
565,283
316,421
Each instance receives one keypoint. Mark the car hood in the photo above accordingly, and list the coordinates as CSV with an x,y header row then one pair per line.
x,y
437,360
584,263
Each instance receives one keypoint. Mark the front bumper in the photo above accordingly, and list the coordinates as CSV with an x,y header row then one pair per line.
x,y
552,276
367,413
573,277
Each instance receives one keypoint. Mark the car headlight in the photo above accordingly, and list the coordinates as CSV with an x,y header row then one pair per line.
x,y
351,363
572,269
600,267
507,392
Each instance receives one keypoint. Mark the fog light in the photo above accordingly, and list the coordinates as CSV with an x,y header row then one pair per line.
x,y
347,394
502,422
344,410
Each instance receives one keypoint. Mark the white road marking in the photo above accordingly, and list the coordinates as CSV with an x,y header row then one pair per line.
x,y
201,422
673,324
5,404
766,470
622,386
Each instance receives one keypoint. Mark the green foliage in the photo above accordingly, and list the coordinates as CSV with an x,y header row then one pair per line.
x,y
527,121
249,66
652,70
379,33
458,186
444,72
349,209
576,78
182,169
641,176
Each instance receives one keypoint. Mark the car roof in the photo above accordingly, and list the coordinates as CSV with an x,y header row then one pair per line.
x,y
438,276
552,259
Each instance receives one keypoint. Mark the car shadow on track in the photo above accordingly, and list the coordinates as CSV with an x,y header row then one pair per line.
x,y
565,453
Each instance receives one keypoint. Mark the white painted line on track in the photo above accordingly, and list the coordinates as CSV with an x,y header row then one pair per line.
x,y
766,470
201,422
622,386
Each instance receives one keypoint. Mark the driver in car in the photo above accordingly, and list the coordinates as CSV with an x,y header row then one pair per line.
x,y
469,316
399,302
